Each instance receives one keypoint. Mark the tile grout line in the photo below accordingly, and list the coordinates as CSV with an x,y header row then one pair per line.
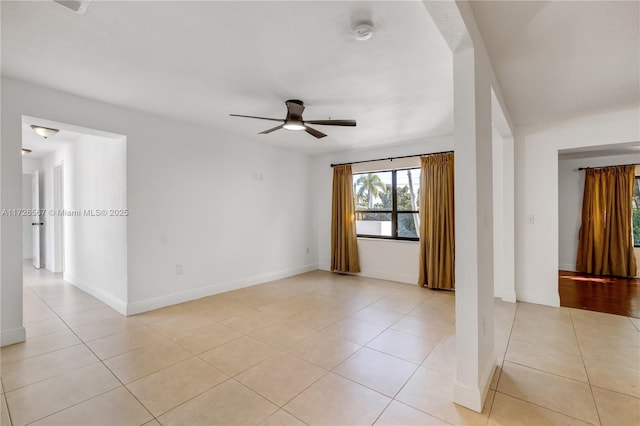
x,y
192,398
547,372
586,371
330,370
405,384
316,332
99,361
393,398
6,404
501,366
542,406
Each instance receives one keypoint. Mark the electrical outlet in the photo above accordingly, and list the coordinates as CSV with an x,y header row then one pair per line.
x,y
530,219
307,250
179,269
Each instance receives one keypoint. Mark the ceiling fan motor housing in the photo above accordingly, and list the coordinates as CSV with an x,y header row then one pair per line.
x,y
295,108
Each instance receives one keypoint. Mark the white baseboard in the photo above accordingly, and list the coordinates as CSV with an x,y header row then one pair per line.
x,y
381,275
390,276
567,267
197,293
16,335
471,397
539,298
119,305
509,297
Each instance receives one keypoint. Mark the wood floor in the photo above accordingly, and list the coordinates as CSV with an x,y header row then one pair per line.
x,y
611,295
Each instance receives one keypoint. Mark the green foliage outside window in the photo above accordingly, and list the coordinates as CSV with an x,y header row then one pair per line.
x,y
373,192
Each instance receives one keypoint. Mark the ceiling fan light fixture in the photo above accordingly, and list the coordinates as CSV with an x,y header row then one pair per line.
x,y
294,125
45,132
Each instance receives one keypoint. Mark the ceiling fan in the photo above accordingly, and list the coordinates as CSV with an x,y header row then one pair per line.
x,y
294,121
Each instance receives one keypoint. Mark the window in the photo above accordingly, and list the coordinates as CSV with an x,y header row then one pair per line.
x,y
387,204
635,209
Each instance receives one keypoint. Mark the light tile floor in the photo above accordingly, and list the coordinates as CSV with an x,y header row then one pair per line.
x,y
317,348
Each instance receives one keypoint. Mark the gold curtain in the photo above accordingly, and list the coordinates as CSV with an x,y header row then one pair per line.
x,y
344,244
437,234
605,244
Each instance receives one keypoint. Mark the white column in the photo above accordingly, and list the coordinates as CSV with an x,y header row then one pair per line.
x,y
476,359
11,327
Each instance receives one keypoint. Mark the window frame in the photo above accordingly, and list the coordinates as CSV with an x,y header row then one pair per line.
x,y
394,208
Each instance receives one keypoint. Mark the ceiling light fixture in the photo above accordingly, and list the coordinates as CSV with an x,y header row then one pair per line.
x,y
363,31
26,151
294,125
45,132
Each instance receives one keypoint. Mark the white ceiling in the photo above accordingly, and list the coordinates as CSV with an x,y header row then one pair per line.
x,y
563,59
200,61
631,149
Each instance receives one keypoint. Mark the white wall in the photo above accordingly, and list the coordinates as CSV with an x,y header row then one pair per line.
x,y
95,248
385,259
536,193
232,210
570,194
498,213
27,241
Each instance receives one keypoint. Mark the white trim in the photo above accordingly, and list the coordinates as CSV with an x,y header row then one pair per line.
x,y
389,276
10,337
539,298
508,297
568,267
185,296
119,305
471,397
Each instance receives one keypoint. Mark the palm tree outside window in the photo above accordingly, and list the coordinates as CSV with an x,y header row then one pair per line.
x,y
387,204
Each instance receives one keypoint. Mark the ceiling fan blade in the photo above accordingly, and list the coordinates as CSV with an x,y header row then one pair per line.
x,y
314,132
332,122
271,130
259,118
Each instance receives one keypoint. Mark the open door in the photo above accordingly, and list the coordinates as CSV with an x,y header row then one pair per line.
x,y
36,224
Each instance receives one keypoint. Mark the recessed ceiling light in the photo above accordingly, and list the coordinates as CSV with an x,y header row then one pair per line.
x,y
26,151
45,132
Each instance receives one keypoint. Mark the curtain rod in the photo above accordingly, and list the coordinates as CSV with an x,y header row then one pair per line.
x,y
391,158
604,167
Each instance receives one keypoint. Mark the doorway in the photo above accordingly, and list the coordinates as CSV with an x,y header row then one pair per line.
x,y
620,296
81,181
